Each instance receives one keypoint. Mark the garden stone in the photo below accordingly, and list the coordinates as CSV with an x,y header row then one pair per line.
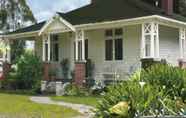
x,y
59,89
43,86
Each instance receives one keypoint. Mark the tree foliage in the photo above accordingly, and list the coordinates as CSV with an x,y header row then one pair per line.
x,y
15,14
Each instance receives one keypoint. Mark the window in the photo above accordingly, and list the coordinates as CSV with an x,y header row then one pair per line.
x,y
109,50
114,44
118,49
147,46
54,48
86,49
80,50
79,44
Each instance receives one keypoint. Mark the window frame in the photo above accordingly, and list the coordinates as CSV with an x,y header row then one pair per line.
x,y
114,37
53,57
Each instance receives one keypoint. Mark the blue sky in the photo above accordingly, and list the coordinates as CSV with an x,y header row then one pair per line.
x,y
44,9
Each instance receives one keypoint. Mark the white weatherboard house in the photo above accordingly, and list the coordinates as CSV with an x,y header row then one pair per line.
x,y
114,34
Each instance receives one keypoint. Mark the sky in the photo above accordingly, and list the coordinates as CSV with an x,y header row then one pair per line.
x,y
44,9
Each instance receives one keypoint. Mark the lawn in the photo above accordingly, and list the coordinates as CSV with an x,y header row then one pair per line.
x,y
91,100
19,106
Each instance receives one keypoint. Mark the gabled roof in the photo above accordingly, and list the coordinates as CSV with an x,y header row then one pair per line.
x,y
107,10
32,28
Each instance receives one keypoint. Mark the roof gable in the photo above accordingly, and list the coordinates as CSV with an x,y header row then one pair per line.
x,y
56,24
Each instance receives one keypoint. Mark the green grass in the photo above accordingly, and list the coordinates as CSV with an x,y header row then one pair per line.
x,y
91,101
20,106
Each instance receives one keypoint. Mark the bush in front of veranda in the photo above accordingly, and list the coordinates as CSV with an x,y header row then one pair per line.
x,y
166,77
71,89
143,95
25,75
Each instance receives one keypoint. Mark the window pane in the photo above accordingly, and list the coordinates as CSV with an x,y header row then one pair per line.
x,y
74,50
109,50
155,46
86,49
108,33
119,32
55,38
147,46
118,49
46,52
80,50
56,52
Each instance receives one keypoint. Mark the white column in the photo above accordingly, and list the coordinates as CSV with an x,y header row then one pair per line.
x,y
80,36
143,42
152,49
44,42
182,39
76,45
83,45
157,41
49,47
150,29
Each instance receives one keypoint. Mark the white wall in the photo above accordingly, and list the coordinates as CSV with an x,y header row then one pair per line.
x,y
131,51
169,44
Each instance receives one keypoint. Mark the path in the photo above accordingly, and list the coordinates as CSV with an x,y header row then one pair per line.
x,y
83,109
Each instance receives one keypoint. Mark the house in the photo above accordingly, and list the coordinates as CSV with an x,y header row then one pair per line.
x,y
114,34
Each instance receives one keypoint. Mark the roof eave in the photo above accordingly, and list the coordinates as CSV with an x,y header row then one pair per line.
x,y
116,23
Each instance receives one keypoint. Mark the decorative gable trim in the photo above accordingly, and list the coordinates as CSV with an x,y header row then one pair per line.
x,y
53,19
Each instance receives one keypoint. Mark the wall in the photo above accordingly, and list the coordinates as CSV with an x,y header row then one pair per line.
x,y
169,44
131,52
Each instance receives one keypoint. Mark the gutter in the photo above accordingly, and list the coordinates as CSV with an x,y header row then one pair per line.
x,y
116,23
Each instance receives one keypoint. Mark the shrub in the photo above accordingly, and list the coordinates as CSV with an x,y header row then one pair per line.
x,y
73,90
165,76
29,70
157,91
26,75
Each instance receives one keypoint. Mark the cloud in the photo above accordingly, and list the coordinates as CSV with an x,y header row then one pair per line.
x,y
44,9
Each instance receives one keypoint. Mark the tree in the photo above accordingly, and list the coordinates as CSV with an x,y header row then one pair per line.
x,y
182,7
15,14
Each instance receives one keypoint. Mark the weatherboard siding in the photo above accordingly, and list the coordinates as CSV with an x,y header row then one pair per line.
x,y
169,44
131,51
169,49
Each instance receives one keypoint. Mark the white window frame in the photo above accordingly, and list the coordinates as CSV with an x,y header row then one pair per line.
x,y
182,40
150,29
46,40
49,41
52,44
113,38
80,37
